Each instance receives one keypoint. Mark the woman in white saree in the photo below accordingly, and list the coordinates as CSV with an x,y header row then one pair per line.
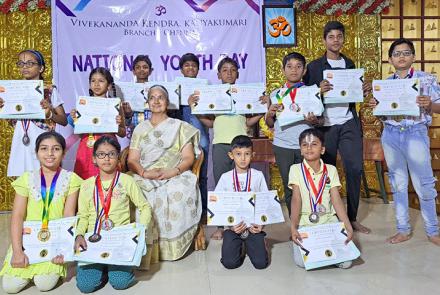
x,y
162,152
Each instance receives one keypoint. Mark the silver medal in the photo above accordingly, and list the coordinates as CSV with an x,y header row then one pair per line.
x,y
26,140
321,209
314,217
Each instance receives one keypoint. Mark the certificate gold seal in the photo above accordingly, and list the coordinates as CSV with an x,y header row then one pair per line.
x,y
43,253
394,105
249,106
211,106
105,255
43,235
328,253
263,218
231,219
18,108
343,93
95,121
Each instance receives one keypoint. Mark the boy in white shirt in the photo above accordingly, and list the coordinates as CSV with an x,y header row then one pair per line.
x,y
243,179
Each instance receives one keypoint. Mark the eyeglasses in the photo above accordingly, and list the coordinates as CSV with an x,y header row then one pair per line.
x,y
402,53
111,155
28,64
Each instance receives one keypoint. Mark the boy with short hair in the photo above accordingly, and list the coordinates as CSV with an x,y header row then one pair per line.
x,y
226,127
405,142
285,141
243,179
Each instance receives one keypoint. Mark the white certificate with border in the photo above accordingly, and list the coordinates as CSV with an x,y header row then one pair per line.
x,y
60,242
396,97
213,99
231,208
347,86
173,89
134,94
96,114
306,100
188,86
123,245
246,98
324,245
22,99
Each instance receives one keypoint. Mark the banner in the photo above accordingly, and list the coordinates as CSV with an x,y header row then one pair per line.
x,y
111,33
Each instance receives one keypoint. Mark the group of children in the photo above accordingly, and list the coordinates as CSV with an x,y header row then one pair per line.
x,y
298,149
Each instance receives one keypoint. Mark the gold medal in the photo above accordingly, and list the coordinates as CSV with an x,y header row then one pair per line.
x,y
44,235
90,141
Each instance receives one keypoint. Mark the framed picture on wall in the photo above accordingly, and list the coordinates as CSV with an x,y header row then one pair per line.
x,y
279,26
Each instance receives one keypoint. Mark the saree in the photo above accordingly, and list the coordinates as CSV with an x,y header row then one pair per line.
x,y
176,202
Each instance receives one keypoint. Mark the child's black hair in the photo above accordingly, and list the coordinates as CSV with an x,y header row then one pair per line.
x,y
189,57
333,25
241,141
226,60
143,58
40,59
400,42
109,140
107,75
294,55
314,132
50,134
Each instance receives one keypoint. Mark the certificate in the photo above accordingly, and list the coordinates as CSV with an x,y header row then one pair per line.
x,y
214,99
173,89
396,97
324,245
22,99
246,98
347,86
188,86
123,245
231,208
60,242
297,103
133,93
96,115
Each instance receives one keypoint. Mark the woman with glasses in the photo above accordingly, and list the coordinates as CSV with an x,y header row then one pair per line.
x,y
23,156
162,152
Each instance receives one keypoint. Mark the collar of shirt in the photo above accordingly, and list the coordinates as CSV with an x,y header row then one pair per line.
x,y
408,75
326,65
321,167
295,85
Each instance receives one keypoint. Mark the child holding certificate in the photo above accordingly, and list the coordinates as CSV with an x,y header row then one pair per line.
x,y
142,69
242,178
315,192
103,204
405,142
285,140
23,157
101,82
226,127
44,194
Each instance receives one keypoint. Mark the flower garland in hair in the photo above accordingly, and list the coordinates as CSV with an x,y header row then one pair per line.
x,y
7,6
339,7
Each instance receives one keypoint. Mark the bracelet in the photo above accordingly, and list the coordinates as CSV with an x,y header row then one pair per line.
x,y
178,170
50,116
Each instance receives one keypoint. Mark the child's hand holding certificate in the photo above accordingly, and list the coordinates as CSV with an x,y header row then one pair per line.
x,y
22,99
347,86
188,86
134,93
213,99
296,103
396,97
96,115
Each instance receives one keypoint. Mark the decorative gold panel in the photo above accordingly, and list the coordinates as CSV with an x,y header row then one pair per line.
x,y
19,31
361,44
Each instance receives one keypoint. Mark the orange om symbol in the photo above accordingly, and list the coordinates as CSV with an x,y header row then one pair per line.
x,y
281,26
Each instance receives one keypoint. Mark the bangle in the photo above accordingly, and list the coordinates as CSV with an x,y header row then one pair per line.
x,y
178,170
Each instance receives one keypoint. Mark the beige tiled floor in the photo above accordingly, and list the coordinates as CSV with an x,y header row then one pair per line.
x,y
409,268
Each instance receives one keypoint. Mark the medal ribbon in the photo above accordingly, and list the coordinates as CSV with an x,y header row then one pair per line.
x,y
47,196
105,201
237,187
316,195
25,124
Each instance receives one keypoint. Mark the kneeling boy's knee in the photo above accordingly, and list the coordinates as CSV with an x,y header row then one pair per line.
x,y
230,263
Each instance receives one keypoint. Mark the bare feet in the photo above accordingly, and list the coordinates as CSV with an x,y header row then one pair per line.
x,y
218,234
398,238
360,228
435,240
